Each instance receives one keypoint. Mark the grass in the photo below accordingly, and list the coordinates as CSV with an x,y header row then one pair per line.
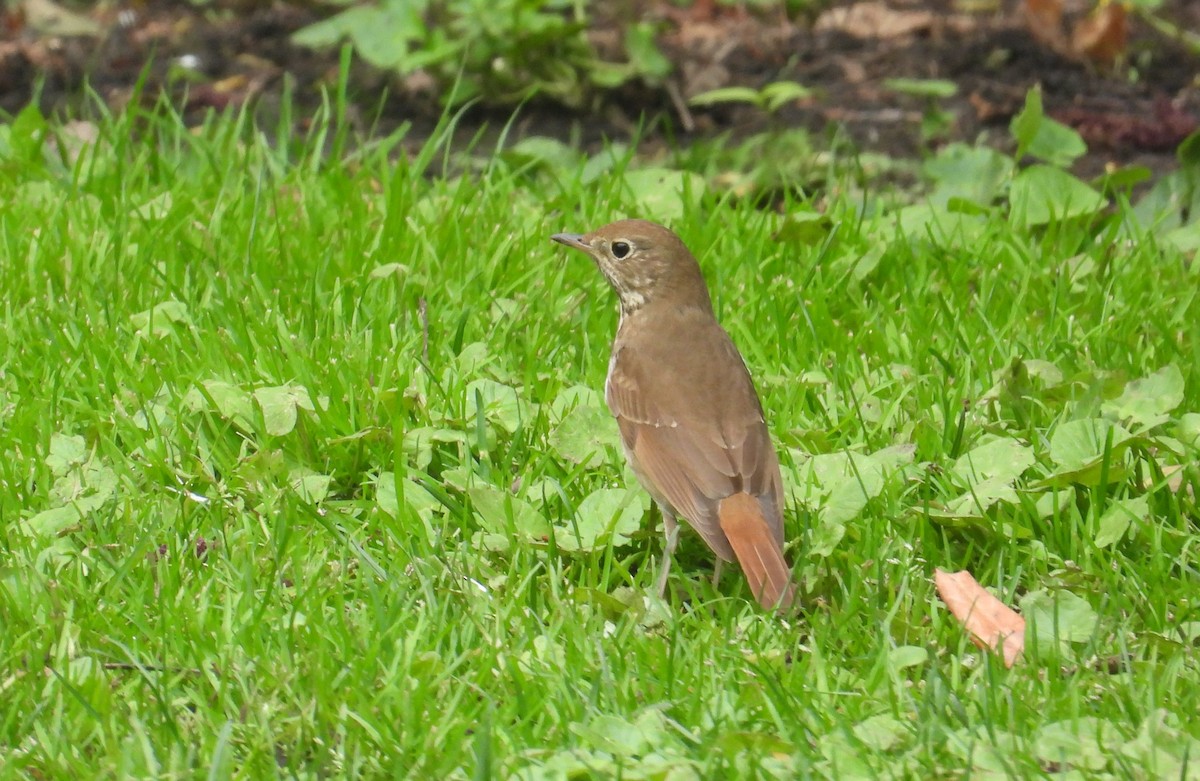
x,y
303,473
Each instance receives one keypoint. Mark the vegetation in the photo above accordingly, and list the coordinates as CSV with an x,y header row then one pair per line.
x,y
497,51
304,469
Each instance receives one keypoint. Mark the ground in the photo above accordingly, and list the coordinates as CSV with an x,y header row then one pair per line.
x,y
1136,112
306,471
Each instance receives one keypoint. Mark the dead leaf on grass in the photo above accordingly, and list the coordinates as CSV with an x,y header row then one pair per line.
x,y
991,624
1173,478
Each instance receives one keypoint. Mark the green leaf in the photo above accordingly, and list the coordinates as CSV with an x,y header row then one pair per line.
x,y
1044,138
974,174
1170,205
850,496
645,58
585,435
329,32
846,761
734,743
155,208
419,443
1163,746
602,163
232,403
1024,125
1118,517
544,151
727,95
825,538
1188,152
501,513
804,226
1123,179
882,732
608,512
664,194
1052,502
987,751
839,485
1042,195
311,486
381,34
1077,447
161,319
1145,403
922,222
1003,460
52,522
977,500
904,656
501,403
779,93
25,138
922,88
1085,743
1057,619
1188,430
1185,238
858,265
279,404
385,270
572,397
610,75
647,734
66,451
473,358
416,497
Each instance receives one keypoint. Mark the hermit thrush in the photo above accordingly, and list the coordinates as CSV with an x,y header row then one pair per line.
x,y
690,420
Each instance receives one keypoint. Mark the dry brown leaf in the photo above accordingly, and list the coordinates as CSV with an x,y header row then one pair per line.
x,y
1175,474
874,20
1044,18
1102,36
991,623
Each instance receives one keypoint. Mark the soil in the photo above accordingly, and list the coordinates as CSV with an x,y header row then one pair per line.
x,y
1135,110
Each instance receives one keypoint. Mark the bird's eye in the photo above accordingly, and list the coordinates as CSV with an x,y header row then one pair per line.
x,y
620,249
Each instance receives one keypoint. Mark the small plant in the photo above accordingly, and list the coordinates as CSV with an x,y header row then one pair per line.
x,y
770,98
936,121
500,51
775,159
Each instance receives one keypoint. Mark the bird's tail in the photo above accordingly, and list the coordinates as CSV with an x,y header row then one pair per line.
x,y
757,550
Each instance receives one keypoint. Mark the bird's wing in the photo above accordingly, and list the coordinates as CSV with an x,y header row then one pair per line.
x,y
694,426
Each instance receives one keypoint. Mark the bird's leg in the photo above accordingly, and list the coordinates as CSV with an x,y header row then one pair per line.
x,y
717,572
671,527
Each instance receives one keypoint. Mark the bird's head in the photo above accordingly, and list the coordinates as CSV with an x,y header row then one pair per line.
x,y
644,262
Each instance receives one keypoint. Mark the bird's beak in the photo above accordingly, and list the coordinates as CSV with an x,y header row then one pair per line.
x,y
572,240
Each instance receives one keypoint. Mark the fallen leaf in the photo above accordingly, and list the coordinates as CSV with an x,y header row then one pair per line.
x,y
991,623
50,18
1101,36
1173,477
875,20
1044,18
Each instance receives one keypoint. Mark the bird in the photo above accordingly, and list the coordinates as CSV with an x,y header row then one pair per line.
x,y
691,422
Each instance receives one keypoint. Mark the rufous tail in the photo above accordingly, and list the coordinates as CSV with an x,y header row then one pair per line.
x,y
757,550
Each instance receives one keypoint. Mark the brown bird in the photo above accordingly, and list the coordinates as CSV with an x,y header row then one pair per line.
x,y
691,422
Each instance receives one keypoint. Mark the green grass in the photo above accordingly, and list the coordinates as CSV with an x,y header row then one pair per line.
x,y
213,388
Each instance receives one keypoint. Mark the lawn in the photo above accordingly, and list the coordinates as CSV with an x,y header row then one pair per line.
x,y
305,470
